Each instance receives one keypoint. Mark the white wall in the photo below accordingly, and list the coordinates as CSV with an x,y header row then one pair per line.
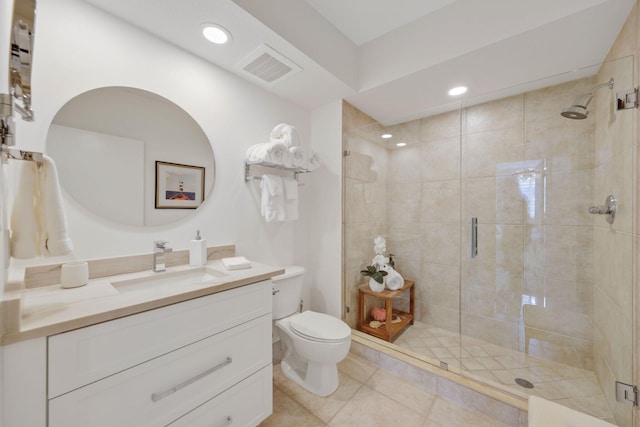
x,y
325,243
99,50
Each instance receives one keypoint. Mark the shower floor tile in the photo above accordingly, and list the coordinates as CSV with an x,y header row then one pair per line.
x,y
567,385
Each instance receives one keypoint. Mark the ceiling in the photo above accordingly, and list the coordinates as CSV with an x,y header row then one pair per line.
x,y
393,60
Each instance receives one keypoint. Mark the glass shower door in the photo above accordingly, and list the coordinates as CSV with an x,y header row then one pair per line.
x,y
546,303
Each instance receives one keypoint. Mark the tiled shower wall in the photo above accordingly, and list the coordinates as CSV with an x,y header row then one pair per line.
x,y
526,173
365,202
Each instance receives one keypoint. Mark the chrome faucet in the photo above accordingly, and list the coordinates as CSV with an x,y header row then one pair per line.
x,y
159,249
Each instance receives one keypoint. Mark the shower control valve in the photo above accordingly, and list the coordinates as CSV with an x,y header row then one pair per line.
x,y
608,209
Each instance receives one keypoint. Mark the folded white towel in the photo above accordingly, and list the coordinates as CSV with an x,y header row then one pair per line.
x,y
291,199
272,206
299,157
276,153
38,221
393,280
236,263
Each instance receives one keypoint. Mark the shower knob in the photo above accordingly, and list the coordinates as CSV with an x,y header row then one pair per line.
x,y
608,209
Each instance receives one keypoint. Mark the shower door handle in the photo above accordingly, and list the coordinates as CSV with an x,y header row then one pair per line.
x,y
474,237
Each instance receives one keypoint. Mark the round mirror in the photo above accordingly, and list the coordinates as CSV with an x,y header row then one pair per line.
x,y
131,156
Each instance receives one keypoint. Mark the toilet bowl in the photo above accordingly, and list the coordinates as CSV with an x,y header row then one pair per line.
x,y
313,343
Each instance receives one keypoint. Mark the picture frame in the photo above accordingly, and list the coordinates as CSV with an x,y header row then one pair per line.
x,y
179,186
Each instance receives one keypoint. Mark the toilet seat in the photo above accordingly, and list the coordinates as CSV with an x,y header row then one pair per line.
x,y
319,327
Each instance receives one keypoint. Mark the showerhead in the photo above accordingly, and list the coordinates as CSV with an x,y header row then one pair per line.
x,y
575,112
578,109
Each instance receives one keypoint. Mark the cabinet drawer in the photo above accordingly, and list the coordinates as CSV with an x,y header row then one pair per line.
x,y
86,355
245,404
161,390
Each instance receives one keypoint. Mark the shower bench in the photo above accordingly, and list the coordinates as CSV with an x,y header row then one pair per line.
x,y
387,331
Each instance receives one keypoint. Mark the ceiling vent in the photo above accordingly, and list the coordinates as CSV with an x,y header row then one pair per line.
x,y
267,66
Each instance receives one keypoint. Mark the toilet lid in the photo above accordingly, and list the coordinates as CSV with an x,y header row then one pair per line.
x,y
319,327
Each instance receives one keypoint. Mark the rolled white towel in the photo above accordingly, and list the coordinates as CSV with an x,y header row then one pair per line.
x,y
276,153
292,137
299,157
393,280
286,134
314,161
276,132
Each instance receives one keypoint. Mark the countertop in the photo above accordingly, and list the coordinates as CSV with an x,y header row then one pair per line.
x,y
51,309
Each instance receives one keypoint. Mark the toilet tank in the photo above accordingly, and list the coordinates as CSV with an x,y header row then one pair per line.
x,y
287,289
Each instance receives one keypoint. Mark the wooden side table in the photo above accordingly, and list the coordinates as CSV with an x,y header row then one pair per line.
x,y
387,331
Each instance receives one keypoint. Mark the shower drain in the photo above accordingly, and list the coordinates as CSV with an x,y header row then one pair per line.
x,y
523,383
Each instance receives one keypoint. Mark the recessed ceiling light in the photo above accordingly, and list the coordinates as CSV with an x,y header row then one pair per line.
x,y
216,34
459,90
401,144
386,136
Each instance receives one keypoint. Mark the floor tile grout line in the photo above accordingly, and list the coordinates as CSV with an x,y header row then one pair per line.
x,y
402,380
433,403
344,404
299,404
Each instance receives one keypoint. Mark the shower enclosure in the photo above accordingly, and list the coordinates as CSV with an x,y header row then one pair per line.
x,y
544,303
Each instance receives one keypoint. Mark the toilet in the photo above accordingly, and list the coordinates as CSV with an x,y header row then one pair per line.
x,y
313,343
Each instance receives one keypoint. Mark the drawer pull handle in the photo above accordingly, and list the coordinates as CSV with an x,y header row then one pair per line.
x,y
161,395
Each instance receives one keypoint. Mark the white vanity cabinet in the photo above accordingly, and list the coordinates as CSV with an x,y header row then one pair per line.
x,y
206,359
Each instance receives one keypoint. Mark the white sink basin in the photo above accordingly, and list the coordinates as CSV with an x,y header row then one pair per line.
x,y
544,413
172,280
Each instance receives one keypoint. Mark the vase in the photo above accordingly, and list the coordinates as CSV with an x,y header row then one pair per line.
x,y
375,286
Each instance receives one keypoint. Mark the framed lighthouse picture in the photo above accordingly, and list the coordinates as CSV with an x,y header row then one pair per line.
x,y
179,186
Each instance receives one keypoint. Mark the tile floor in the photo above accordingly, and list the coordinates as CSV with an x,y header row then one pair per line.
x,y
569,386
368,396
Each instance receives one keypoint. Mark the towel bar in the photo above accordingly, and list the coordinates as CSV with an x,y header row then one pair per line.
x,y
17,154
247,170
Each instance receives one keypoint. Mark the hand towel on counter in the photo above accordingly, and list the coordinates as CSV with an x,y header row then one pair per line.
x,y
291,199
272,205
236,263
276,153
38,221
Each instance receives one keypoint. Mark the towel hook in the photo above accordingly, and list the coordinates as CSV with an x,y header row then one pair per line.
x,y
17,154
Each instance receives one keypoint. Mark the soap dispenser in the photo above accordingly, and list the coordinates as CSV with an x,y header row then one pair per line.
x,y
198,251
